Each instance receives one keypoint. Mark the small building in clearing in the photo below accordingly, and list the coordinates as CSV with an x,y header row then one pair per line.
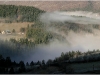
x,y
3,32
6,32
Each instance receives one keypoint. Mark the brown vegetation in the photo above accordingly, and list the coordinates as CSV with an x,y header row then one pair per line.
x,y
49,5
55,5
11,26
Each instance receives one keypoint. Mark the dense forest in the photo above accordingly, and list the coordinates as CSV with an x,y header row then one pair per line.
x,y
19,13
63,63
39,33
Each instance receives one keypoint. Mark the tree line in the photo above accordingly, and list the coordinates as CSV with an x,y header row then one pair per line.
x,y
19,13
12,67
8,66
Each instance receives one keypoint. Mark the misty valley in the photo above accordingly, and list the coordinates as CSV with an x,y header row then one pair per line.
x,y
34,41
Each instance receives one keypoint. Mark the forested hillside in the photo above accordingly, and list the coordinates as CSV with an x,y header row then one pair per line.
x,y
58,5
19,13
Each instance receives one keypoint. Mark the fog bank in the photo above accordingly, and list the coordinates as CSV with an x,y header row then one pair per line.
x,y
81,17
81,40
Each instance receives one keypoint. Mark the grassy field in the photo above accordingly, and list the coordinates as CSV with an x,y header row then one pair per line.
x,y
11,26
7,37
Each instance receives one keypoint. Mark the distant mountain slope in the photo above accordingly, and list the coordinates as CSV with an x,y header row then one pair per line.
x,y
58,5
48,5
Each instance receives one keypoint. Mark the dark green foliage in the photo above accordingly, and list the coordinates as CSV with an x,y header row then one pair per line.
x,y
23,41
13,31
8,61
21,63
78,57
19,13
22,66
96,26
50,61
38,63
8,11
75,27
38,33
32,63
60,62
43,62
2,61
27,64
22,29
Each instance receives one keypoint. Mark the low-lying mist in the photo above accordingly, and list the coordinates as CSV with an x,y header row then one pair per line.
x,y
81,17
81,40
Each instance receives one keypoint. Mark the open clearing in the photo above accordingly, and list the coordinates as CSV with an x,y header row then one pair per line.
x,y
16,26
9,36
10,27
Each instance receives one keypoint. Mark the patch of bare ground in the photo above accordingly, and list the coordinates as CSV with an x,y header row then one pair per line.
x,y
9,36
10,27
16,26
49,5
96,5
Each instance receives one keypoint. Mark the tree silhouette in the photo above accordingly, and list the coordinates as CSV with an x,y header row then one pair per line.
x,y
22,66
22,29
13,31
27,64
32,63
11,71
8,61
43,62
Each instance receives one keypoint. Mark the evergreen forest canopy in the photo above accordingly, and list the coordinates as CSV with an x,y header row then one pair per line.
x,y
19,13
14,13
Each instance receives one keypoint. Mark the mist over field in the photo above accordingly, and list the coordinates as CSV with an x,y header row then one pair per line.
x,y
81,17
63,38
81,41
73,41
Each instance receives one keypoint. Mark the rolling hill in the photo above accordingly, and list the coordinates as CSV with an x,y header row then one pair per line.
x,y
57,5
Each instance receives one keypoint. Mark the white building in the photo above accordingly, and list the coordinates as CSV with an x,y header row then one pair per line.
x,y
6,32
3,32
